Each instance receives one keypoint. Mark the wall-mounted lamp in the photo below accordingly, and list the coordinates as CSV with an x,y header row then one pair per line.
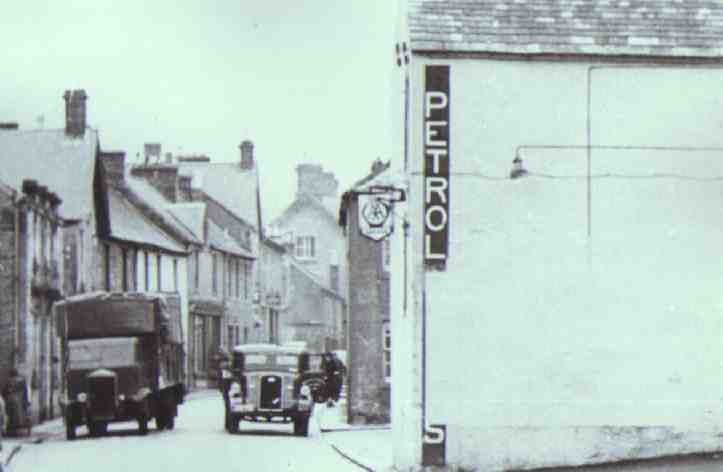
x,y
518,170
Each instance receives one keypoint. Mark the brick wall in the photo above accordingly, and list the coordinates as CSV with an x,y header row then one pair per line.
x,y
368,391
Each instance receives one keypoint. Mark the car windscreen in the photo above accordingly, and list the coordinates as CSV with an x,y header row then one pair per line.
x,y
270,361
255,359
287,360
102,353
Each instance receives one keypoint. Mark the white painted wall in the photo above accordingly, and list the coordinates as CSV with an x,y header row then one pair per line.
x,y
545,347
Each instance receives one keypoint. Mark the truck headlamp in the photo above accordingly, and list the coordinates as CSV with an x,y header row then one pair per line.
x,y
234,388
82,397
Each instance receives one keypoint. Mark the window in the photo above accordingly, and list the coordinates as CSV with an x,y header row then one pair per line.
x,y
229,276
134,269
230,332
147,271
247,279
334,277
175,275
387,350
159,287
124,275
196,275
106,266
305,247
214,274
386,254
237,277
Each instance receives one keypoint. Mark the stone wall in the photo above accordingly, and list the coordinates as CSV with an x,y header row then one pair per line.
x,y
8,273
368,397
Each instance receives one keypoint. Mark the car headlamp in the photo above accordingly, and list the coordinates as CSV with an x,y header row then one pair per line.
x,y
305,390
82,397
234,388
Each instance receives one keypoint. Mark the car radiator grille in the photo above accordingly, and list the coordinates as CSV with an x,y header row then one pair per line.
x,y
102,396
270,391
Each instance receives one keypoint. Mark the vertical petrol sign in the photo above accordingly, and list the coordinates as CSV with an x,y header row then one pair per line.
x,y
436,166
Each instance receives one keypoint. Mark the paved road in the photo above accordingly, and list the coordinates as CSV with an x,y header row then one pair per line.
x,y
199,443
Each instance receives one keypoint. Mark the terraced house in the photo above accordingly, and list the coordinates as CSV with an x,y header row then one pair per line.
x,y
104,237
217,203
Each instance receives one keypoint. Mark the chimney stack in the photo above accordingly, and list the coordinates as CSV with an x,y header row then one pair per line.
x,y
113,165
152,151
75,113
247,155
378,166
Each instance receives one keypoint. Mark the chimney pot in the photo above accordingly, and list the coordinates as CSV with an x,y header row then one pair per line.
x,y
247,155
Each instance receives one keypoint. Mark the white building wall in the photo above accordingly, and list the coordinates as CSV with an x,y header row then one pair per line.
x,y
548,347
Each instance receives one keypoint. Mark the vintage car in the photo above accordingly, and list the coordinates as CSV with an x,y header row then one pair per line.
x,y
267,382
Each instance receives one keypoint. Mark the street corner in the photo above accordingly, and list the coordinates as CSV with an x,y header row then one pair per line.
x,y
370,449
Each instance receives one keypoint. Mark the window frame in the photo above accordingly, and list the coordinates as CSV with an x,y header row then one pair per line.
x,y
387,351
305,247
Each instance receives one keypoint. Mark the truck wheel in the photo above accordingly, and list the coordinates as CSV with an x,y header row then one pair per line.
x,y
170,423
160,422
69,430
234,425
143,425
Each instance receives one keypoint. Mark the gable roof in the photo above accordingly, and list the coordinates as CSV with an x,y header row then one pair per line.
x,y
65,165
221,240
191,215
301,270
128,223
142,194
227,183
665,28
304,202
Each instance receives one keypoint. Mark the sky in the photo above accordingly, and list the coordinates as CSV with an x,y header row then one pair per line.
x,y
305,81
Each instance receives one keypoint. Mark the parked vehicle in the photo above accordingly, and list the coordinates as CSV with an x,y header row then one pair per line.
x,y
122,360
269,383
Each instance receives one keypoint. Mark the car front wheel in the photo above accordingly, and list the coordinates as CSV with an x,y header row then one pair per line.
x,y
301,426
69,429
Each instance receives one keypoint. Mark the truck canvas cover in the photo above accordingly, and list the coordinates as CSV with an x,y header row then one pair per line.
x,y
103,314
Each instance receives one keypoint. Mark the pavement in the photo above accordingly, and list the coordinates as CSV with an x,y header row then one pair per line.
x,y
367,446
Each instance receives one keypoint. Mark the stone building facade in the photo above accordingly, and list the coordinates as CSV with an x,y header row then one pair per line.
x,y
315,245
30,274
369,337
